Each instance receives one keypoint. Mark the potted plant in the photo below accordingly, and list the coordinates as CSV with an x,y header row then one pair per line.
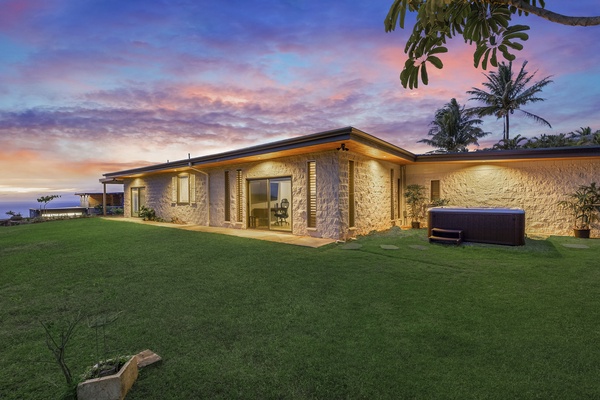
x,y
415,200
109,378
582,204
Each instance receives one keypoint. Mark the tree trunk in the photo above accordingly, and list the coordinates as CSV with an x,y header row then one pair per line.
x,y
506,126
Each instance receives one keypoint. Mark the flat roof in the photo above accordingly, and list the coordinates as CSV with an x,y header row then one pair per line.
x,y
354,140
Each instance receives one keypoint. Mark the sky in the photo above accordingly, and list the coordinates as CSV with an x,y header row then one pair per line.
x,y
89,87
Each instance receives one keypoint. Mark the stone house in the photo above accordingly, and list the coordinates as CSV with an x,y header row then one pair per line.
x,y
345,182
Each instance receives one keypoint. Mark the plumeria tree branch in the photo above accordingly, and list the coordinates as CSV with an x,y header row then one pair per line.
x,y
485,23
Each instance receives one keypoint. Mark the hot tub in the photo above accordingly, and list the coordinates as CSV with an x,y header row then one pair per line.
x,y
484,225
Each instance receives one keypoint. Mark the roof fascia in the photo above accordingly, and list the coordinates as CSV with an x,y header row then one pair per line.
x,y
513,155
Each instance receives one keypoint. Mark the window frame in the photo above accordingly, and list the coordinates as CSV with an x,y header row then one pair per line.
x,y
190,187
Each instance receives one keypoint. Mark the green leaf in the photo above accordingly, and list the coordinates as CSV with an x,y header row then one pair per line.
x,y
478,54
436,62
438,50
424,77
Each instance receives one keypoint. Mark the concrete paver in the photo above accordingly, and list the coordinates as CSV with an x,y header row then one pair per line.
x,y
271,236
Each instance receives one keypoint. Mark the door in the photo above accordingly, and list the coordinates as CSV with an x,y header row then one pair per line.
x,y
269,204
258,205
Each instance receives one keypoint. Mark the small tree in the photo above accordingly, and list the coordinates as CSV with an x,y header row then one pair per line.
x,y
583,205
57,338
415,199
47,199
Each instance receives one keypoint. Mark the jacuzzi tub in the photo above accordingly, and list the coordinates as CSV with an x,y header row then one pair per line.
x,y
484,225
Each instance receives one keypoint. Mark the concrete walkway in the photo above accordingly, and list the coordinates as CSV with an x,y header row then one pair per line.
x,y
270,236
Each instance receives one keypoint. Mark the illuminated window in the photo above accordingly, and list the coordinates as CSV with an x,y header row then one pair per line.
x,y
311,199
227,198
183,189
435,190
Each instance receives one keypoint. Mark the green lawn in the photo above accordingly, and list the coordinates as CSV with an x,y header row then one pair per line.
x,y
247,319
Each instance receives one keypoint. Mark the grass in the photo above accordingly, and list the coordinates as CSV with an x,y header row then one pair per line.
x,y
247,319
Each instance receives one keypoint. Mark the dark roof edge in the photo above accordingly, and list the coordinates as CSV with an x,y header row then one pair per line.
x,y
341,134
522,154
380,144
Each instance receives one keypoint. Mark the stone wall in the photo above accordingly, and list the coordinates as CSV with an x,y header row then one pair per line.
x,y
296,168
372,194
373,187
158,195
535,186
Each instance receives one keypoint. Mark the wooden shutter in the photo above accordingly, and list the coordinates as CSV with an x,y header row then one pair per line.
x,y
227,197
239,197
174,189
192,188
311,198
351,194
392,208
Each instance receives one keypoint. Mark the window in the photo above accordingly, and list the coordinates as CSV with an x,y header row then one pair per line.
x,y
351,205
238,195
435,190
138,200
392,213
311,198
227,198
183,189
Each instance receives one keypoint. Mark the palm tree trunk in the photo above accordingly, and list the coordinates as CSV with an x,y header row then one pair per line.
x,y
506,126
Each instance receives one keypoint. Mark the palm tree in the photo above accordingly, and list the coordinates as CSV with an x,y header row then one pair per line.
x,y
453,130
507,93
549,141
586,137
510,144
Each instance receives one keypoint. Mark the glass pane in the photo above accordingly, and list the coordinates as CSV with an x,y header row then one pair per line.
x,y
135,202
184,189
258,205
281,210
142,194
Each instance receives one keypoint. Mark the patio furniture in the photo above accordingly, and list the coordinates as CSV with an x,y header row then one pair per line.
x,y
282,212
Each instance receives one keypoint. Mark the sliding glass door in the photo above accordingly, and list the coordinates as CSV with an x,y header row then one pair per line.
x,y
138,199
269,204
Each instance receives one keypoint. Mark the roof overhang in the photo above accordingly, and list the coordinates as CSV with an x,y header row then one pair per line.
x,y
353,139
558,153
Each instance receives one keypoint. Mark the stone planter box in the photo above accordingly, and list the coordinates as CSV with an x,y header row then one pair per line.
x,y
112,387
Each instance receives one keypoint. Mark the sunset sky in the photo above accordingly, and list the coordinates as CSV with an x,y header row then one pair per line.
x,y
95,86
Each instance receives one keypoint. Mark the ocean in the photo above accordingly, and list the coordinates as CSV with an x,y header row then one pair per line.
x,y
24,206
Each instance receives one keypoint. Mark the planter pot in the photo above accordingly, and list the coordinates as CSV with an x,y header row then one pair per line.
x,y
415,224
112,387
581,233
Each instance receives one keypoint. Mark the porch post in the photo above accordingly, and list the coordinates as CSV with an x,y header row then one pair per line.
x,y
104,199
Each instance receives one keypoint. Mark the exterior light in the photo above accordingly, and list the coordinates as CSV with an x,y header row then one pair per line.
x,y
342,147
